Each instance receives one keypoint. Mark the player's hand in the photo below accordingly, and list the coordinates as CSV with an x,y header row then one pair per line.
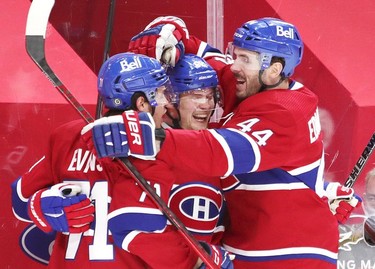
x,y
61,208
342,201
129,134
162,39
220,256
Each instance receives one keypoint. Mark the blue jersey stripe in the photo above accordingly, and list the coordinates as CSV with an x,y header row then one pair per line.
x,y
242,152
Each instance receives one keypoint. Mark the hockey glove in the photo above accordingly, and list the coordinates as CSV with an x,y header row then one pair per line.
x,y
61,208
129,134
342,201
167,39
220,256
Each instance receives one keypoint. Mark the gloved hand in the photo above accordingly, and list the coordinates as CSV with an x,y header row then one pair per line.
x,y
166,39
163,39
220,256
342,200
129,134
61,208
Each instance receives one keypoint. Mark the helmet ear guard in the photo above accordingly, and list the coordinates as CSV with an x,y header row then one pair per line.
x,y
271,38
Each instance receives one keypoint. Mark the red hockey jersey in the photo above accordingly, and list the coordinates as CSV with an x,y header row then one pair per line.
x,y
69,160
272,144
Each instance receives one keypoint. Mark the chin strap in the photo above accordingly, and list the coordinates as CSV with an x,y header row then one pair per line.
x,y
265,86
175,122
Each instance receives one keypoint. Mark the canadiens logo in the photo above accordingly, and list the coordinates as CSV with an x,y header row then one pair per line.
x,y
197,205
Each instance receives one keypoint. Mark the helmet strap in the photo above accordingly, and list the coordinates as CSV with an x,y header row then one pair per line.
x,y
175,122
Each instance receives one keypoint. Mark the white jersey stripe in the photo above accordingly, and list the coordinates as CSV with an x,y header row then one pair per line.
x,y
270,187
282,251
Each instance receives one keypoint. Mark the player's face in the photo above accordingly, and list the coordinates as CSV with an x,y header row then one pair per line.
x,y
161,99
246,68
195,108
369,198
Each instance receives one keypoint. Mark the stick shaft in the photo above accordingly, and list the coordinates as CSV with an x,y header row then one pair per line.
x,y
358,167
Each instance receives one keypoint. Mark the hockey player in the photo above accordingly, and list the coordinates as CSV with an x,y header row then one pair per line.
x,y
271,144
62,190
198,204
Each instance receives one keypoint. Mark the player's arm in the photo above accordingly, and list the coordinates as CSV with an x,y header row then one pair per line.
x,y
240,148
169,250
38,177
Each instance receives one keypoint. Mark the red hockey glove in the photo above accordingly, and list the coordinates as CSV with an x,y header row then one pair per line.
x,y
61,208
342,201
220,256
369,231
166,39
129,134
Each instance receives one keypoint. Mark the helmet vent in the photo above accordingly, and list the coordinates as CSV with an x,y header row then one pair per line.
x,y
117,79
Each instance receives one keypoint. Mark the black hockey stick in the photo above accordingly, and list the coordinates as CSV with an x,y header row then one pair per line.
x,y
358,167
36,26
107,48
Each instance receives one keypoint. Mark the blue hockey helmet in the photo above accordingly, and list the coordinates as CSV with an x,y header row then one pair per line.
x,y
124,74
271,37
191,73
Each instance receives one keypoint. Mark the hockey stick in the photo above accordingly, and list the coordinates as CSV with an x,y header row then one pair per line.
x,y
107,48
358,167
36,26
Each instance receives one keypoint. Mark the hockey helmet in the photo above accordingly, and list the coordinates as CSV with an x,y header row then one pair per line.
x,y
191,73
271,37
124,74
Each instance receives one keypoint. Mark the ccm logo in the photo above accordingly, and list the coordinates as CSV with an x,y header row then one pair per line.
x,y
289,33
133,129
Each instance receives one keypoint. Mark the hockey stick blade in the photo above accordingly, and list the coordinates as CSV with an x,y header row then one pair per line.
x,y
37,22
36,26
358,167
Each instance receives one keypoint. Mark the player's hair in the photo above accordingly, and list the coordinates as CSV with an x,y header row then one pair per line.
x,y
125,74
275,41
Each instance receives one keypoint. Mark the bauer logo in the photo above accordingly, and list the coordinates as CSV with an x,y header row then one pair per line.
x,y
289,33
129,66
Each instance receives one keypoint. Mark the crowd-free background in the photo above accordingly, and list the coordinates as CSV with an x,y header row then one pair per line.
x,y
337,65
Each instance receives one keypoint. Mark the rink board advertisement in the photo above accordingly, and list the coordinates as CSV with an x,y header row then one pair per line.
x,y
31,107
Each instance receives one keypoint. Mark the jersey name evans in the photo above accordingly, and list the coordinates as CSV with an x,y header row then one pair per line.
x,y
84,160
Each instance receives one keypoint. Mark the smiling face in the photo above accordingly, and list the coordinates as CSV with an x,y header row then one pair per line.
x,y
195,108
246,68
